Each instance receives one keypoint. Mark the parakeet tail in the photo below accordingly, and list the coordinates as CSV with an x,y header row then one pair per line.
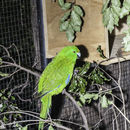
x,y
45,106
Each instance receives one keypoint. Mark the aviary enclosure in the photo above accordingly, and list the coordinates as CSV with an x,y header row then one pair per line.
x,y
22,53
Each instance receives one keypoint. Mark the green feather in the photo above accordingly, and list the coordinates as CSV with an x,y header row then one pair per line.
x,y
46,104
55,78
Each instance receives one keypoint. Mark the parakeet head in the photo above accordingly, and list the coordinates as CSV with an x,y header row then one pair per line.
x,y
71,52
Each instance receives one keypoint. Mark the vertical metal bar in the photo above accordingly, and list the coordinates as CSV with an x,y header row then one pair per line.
x,y
42,36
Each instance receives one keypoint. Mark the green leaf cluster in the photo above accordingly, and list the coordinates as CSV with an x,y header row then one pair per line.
x,y
105,102
89,97
7,103
79,82
112,11
85,77
71,22
126,39
97,77
125,10
101,52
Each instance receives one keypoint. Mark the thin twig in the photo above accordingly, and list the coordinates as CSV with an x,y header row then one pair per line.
x,y
5,50
122,95
37,117
121,113
117,124
22,68
78,107
10,74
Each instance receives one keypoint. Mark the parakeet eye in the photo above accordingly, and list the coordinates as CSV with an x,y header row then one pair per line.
x,y
73,51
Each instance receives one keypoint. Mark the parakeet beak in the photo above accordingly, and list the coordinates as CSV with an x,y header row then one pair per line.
x,y
79,55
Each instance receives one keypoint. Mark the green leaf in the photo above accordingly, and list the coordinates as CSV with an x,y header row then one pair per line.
x,y
111,22
84,69
24,128
76,18
5,98
126,4
66,6
126,42
89,96
50,128
1,94
111,17
82,99
106,16
5,119
70,33
64,26
96,77
4,106
65,17
79,103
61,3
116,10
12,98
104,101
100,51
128,20
110,102
1,105
82,83
95,97
78,10
89,101
77,28
105,6
116,3
124,12
115,15
8,93
101,74
3,74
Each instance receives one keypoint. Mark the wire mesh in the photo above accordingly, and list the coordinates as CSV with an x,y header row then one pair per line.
x,y
19,35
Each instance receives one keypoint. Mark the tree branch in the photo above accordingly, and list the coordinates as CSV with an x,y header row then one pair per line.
x,y
32,115
22,68
78,107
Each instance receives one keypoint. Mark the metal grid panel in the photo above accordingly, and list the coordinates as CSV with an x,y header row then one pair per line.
x,y
16,28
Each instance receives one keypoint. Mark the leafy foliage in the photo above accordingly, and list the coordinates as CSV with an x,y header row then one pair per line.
x,y
79,82
71,22
126,39
112,11
85,77
100,51
7,103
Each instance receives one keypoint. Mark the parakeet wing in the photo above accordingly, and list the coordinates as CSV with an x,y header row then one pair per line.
x,y
56,75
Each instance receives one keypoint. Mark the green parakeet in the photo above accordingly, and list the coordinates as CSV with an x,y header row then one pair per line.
x,y
55,78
